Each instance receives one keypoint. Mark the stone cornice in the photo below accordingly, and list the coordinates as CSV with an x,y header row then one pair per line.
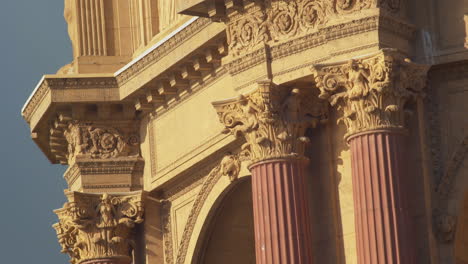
x,y
219,10
155,55
69,84
89,170
59,87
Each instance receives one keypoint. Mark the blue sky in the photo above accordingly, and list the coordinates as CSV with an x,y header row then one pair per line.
x,y
34,42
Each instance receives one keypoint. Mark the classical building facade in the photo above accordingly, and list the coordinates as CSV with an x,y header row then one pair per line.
x,y
266,131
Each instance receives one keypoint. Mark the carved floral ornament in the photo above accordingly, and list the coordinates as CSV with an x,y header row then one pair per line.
x,y
373,91
272,120
282,20
99,142
95,226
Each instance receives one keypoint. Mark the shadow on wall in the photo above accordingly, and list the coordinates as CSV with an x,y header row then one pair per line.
x,y
230,234
332,232
442,30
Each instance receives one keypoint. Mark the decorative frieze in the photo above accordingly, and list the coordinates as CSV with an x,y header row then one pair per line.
x,y
272,120
100,142
372,91
277,21
71,138
99,226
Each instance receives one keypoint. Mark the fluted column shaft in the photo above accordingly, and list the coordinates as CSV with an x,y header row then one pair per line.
x,y
281,214
383,225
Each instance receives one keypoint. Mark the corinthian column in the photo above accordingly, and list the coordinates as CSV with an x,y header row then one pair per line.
x,y
373,93
98,228
273,122
105,201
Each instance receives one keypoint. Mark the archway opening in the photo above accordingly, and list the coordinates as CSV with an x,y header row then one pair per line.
x,y
229,237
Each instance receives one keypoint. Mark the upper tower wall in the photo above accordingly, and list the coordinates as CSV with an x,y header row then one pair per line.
x,y
107,34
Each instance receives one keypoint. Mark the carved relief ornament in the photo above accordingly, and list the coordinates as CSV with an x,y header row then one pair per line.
x,y
272,120
278,20
99,142
373,91
99,226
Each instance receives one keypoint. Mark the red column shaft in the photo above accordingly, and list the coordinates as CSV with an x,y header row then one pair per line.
x,y
107,261
382,220
281,212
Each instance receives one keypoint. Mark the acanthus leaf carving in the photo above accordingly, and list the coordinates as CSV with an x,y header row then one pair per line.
x,y
248,32
348,6
372,91
95,226
272,120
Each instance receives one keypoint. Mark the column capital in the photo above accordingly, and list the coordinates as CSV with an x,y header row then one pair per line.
x,y
273,120
99,226
372,91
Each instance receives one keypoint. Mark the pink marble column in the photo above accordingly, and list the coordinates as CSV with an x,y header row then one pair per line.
x,y
108,261
281,213
383,225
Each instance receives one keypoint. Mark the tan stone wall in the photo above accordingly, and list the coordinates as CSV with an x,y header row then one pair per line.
x,y
106,35
186,134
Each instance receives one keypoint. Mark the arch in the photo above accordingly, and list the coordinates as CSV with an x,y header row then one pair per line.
x,y
449,215
229,236
214,189
453,184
